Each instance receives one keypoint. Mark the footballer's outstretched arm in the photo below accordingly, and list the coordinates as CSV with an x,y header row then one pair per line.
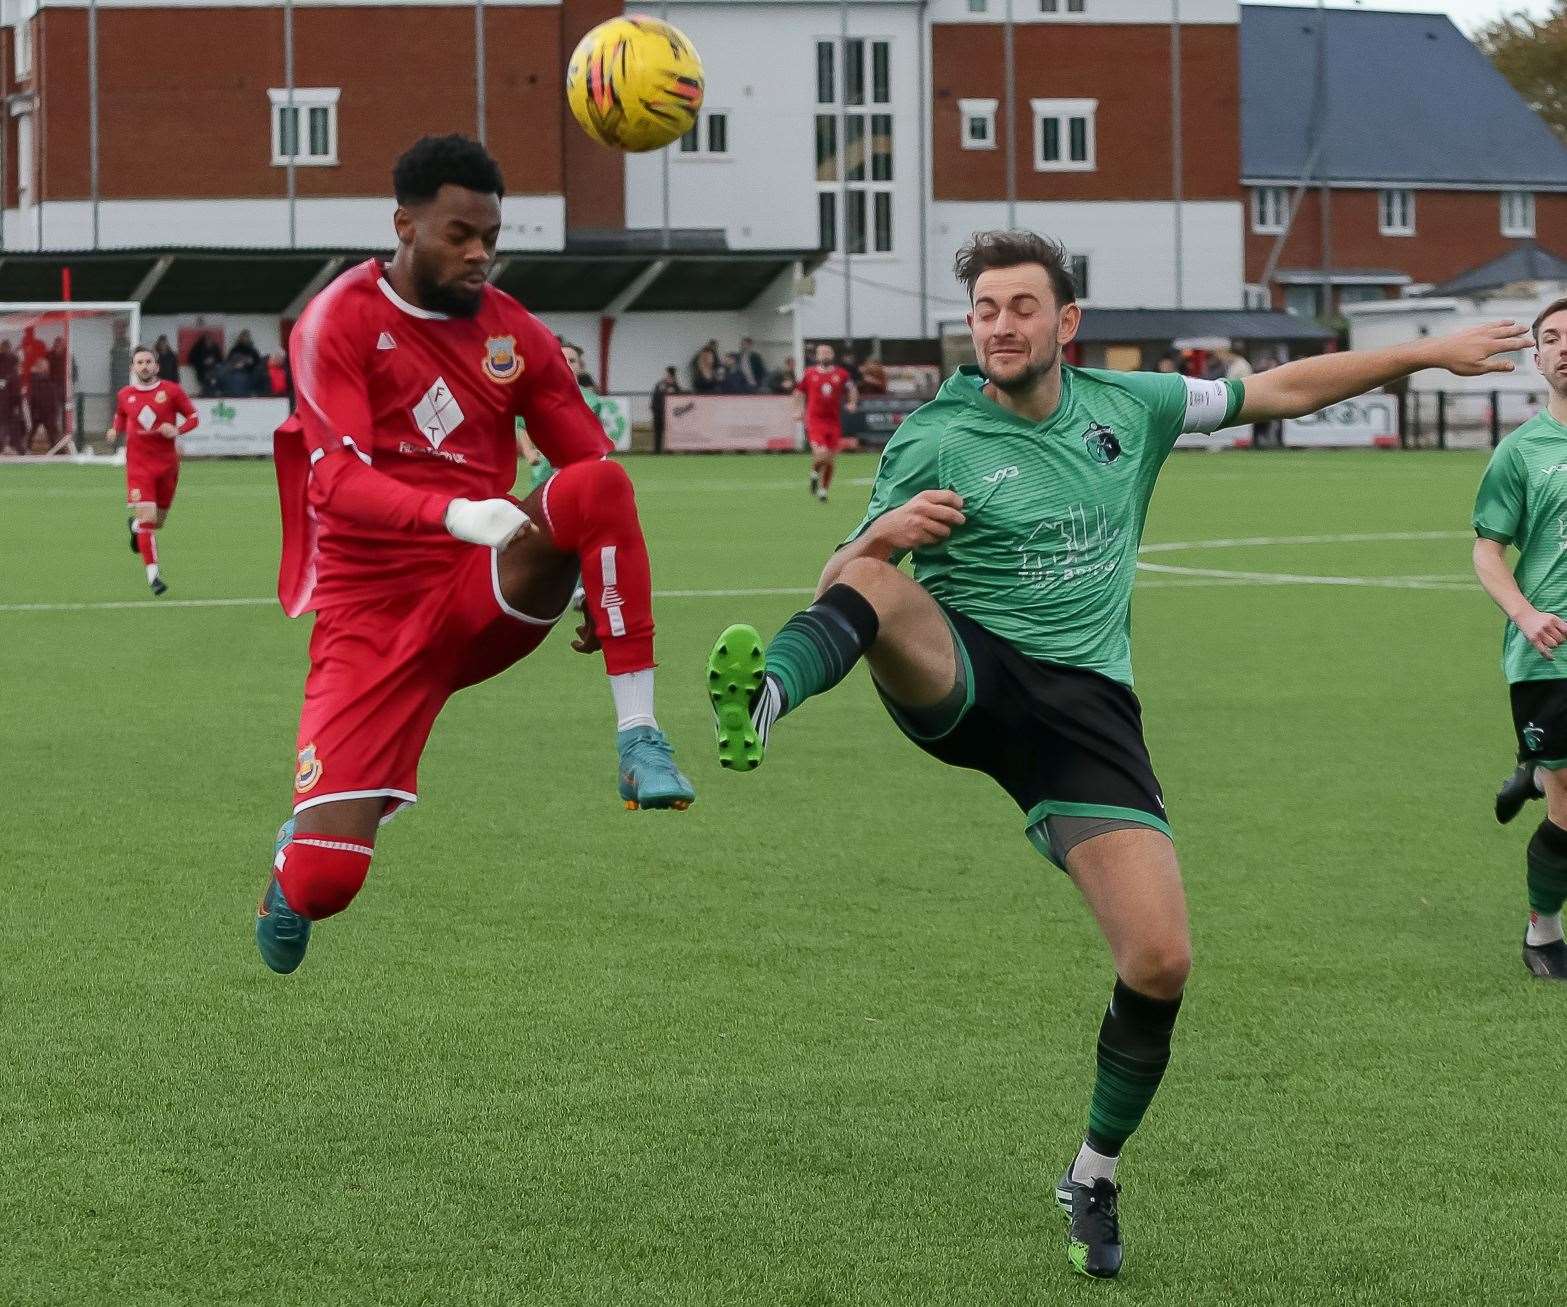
x,y
927,518
1306,385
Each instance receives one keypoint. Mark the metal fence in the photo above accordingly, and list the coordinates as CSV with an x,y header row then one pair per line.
x,y
1454,419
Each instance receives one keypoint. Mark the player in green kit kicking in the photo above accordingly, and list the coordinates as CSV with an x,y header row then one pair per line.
x,y
1021,491
1523,502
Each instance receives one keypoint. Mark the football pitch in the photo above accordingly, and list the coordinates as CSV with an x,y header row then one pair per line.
x,y
826,1038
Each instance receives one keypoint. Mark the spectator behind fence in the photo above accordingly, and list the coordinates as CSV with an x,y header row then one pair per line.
x,y
13,430
204,358
244,353
873,378
705,375
734,380
751,362
168,360
667,385
851,365
279,382
783,380
43,408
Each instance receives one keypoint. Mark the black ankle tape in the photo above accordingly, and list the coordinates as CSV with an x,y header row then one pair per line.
x,y
854,610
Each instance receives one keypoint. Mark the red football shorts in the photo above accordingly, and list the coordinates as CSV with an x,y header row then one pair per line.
x,y
151,480
381,671
825,435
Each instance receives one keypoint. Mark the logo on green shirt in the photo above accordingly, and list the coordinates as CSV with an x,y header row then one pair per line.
x,y
1103,447
1533,736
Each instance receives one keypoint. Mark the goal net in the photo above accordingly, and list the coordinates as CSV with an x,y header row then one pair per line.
x,y
61,365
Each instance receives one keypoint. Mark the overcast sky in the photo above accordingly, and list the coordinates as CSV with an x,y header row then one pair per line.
x,y
1468,14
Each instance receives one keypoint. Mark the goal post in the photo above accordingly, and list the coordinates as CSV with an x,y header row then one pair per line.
x,y
61,365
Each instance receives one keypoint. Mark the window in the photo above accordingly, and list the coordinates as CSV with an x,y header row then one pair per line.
x,y
708,137
1517,213
1060,6
979,124
1303,301
1256,297
1396,211
854,82
1270,210
25,163
978,6
304,131
1064,135
22,48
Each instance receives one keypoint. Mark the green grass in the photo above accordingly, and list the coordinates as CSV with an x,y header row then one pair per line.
x,y
825,1038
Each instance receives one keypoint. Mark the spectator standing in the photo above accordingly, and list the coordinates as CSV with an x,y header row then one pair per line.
x,y
42,402
667,385
751,364
705,376
168,361
244,354
782,382
204,357
734,379
279,382
59,370
13,430
850,364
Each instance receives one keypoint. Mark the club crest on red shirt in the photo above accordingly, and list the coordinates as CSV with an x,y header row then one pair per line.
x,y
309,770
160,397
501,360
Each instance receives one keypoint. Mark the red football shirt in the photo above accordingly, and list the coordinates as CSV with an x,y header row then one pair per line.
x,y
428,402
139,411
823,390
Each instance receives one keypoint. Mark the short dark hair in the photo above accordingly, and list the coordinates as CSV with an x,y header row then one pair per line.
x,y
985,250
1555,306
143,349
432,162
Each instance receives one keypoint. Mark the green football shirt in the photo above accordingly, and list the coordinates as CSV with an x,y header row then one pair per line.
x,y
1523,502
1054,509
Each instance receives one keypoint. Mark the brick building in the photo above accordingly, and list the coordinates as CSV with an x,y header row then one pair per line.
x,y
1418,160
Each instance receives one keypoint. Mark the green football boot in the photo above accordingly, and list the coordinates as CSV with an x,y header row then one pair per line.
x,y
742,712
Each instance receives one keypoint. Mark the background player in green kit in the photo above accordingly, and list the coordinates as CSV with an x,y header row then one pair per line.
x,y
1523,502
1021,492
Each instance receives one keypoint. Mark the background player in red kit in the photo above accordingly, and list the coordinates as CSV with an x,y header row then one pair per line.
x,y
425,576
150,413
824,386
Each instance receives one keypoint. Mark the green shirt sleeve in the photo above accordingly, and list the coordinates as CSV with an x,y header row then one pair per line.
x,y
1178,404
1499,505
908,466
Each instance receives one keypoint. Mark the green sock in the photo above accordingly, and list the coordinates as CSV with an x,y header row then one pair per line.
x,y
1134,1050
817,648
1548,869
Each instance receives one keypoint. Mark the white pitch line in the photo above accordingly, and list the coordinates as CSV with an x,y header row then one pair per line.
x,y
1182,577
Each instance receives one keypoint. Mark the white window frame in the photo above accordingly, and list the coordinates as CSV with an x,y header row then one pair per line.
x,y
26,158
305,98
1517,213
1256,297
1063,112
1270,210
867,112
1390,222
978,6
983,111
1060,7
704,140
22,49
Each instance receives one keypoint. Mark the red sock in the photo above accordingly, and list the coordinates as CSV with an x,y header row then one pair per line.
x,y
319,875
827,475
147,542
592,511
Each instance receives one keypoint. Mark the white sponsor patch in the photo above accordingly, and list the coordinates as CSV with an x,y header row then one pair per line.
x,y
385,341
147,418
437,414
1206,404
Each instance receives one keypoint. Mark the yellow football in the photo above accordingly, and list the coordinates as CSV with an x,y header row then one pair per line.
x,y
635,83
